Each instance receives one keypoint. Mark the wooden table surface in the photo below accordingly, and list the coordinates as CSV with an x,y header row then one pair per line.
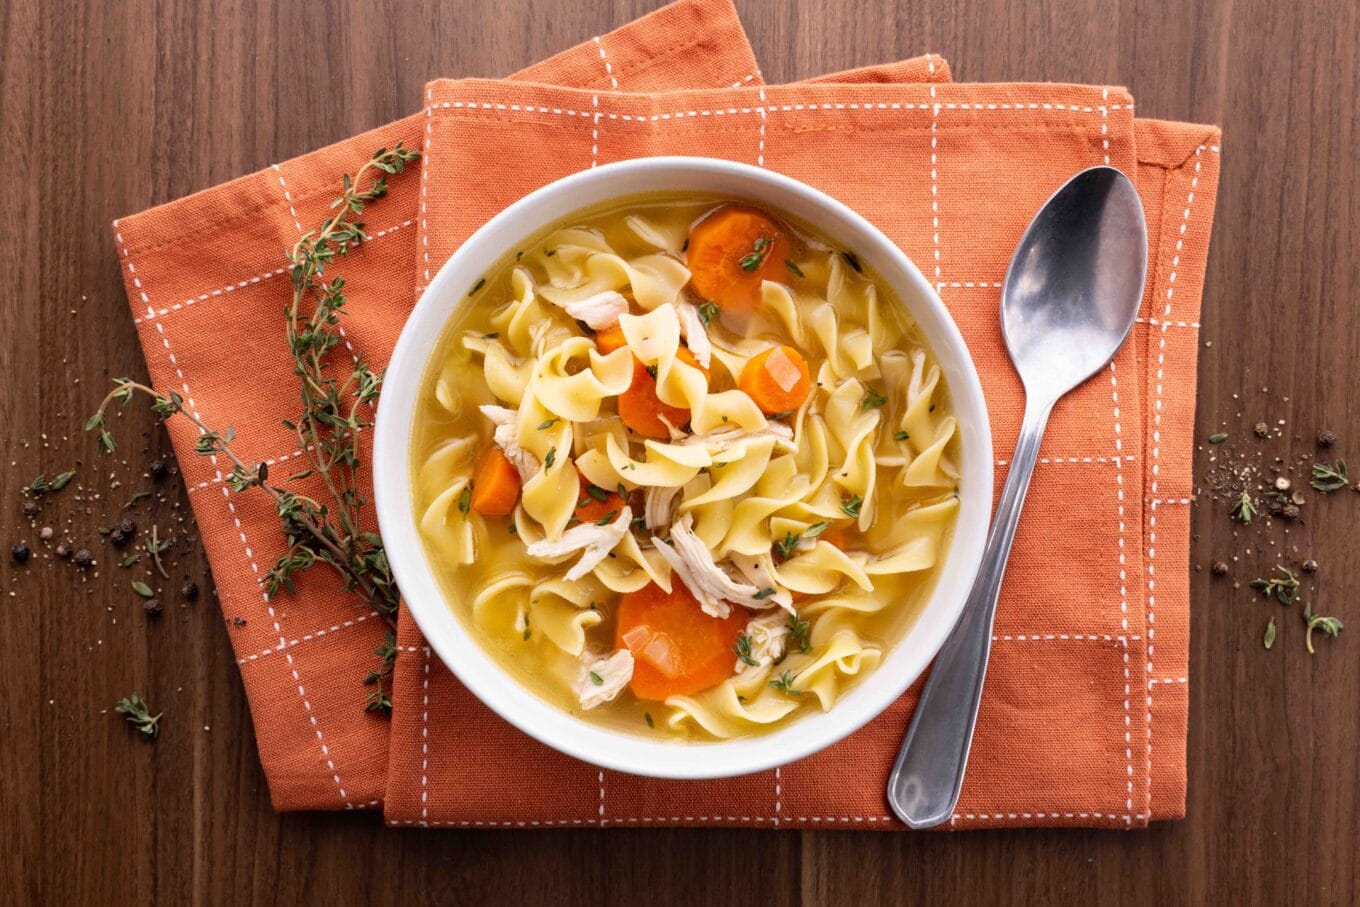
x,y
110,107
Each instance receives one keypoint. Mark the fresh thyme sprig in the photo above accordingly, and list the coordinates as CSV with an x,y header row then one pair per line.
x,y
1330,626
784,684
743,650
759,249
42,484
1243,509
380,700
800,630
708,310
1327,478
1284,587
791,540
138,714
334,411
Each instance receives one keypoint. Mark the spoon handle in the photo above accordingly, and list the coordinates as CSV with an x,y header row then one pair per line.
x,y
928,774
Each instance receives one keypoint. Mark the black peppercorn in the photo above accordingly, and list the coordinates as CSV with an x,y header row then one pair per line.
x,y
64,550
1219,568
128,527
189,590
157,469
1326,439
1310,566
118,538
1261,429
83,559
151,607
20,553
1290,511
31,508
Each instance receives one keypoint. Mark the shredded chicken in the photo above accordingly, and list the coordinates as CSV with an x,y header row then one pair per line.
x,y
692,329
592,540
724,438
754,571
614,671
691,560
599,311
504,436
769,636
658,505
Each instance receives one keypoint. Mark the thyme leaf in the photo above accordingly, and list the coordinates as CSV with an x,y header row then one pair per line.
x,y
1328,478
138,714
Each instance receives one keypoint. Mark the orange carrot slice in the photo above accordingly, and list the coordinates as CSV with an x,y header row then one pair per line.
x,y
731,251
495,485
642,410
595,502
776,379
677,648
610,339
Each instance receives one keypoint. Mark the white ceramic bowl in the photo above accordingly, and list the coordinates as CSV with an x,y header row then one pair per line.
x,y
450,639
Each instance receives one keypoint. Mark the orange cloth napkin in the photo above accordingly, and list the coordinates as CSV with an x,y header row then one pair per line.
x,y
1084,717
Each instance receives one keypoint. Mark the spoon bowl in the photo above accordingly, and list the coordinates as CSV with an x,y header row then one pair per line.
x,y
1070,298
1075,281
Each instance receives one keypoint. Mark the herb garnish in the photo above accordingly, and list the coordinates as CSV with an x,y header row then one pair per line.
x,y
793,268
132,501
853,506
551,458
764,593
800,631
1330,626
597,493
791,540
156,546
380,700
138,714
596,679
651,370
336,409
1269,639
759,249
607,518
1284,588
708,310
481,282
648,717
465,499
142,589
549,423
1218,437
853,261
743,650
42,484
784,683
1328,478
901,436
1243,509
872,399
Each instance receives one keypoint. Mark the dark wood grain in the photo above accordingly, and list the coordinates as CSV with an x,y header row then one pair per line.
x,y
110,107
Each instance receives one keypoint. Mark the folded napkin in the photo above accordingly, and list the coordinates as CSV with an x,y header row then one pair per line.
x,y
1084,717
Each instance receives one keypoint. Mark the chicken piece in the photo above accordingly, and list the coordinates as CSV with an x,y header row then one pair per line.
x,y
755,571
714,589
693,330
769,636
599,311
593,540
659,505
504,436
613,673
723,438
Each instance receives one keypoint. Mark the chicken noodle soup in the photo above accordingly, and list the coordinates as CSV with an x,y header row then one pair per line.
x,y
684,468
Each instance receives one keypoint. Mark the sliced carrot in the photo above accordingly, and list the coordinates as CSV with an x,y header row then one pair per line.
x,y
731,251
610,339
776,379
677,648
642,410
495,485
596,502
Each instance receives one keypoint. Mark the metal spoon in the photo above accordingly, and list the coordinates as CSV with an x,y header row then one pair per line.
x,y
1068,303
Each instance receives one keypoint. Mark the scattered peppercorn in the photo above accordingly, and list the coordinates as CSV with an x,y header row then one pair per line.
x,y
1219,568
189,590
1290,511
31,508
157,469
1261,429
152,607
128,526
118,538
83,559
1326,439
20,553
238,621
64,550
1310,566
1298,498
46,533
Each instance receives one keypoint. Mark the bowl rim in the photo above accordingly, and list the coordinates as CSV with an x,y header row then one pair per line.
x,y
446,634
